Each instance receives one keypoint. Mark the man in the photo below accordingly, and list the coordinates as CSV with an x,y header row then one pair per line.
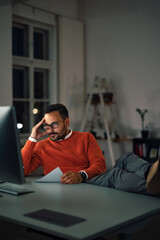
x,y
80,158
77,154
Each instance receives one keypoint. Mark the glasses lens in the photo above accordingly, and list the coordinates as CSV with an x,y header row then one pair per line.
x,y
54,125
45,126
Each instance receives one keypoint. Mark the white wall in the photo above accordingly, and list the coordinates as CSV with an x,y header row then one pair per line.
x,y
71,68
66,8
122,45
5,55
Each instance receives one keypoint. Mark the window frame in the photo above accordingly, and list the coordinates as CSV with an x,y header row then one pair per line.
x,y
32,63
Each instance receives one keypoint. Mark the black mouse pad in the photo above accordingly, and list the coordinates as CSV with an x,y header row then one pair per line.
x,y
54,217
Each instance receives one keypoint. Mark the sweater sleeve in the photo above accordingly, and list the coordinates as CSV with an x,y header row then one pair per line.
x,y
96,159
31,161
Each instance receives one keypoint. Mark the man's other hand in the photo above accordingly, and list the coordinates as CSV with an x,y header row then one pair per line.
x,y
71,178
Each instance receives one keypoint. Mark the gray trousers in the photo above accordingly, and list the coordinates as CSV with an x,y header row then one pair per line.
x,y
129,174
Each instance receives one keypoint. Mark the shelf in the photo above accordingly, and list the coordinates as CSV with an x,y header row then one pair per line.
x,y
116,139
107,97
148,149
122,140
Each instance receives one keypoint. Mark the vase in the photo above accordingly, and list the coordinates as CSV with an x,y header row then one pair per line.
x,y
144,134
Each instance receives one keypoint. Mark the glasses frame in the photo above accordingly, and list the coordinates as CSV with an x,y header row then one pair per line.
x,y
53,125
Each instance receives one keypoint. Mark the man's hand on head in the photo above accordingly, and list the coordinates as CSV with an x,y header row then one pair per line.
x,y
71,178
36,133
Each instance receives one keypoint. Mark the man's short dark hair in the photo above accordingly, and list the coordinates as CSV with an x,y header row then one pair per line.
x,y
58,107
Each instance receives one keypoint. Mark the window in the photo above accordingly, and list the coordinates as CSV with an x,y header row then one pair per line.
x,y
20,82
20,39
33,70
41,93
41,84
40,44
21,96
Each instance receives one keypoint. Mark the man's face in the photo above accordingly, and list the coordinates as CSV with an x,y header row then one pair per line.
x,y
56,127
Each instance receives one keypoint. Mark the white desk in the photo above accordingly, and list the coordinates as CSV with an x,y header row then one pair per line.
x,y
106,210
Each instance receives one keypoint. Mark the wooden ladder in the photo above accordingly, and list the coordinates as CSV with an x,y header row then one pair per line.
x,y
97,84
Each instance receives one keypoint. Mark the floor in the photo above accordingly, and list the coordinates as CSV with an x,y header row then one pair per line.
x,y
15,232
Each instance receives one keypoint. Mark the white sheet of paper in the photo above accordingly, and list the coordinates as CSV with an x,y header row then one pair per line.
x,y
52,177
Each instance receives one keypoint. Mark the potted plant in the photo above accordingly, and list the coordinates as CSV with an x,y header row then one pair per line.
x,y
142,113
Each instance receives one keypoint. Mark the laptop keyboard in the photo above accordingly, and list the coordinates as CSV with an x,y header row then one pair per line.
x,y
13,190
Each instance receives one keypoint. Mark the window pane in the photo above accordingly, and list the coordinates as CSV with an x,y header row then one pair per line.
x,y
20,83
41,44
38,111
22,111
41,84
20,40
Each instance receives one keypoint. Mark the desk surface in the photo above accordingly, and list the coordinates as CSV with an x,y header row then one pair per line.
x,y
106,210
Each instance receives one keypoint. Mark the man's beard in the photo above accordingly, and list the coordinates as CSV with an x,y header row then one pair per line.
x,y
55,136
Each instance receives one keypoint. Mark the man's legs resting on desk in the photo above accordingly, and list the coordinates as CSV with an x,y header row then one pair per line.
x,y
129,174
134,164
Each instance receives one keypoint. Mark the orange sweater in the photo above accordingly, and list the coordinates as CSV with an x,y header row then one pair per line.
x,y
78,152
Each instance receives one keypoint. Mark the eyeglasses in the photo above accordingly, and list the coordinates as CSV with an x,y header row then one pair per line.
x,y
52,125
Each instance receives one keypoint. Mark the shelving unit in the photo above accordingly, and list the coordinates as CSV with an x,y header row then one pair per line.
x,y
148,149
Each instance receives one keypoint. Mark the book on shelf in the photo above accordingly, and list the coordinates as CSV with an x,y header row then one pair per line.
x,y
141,150
148,149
